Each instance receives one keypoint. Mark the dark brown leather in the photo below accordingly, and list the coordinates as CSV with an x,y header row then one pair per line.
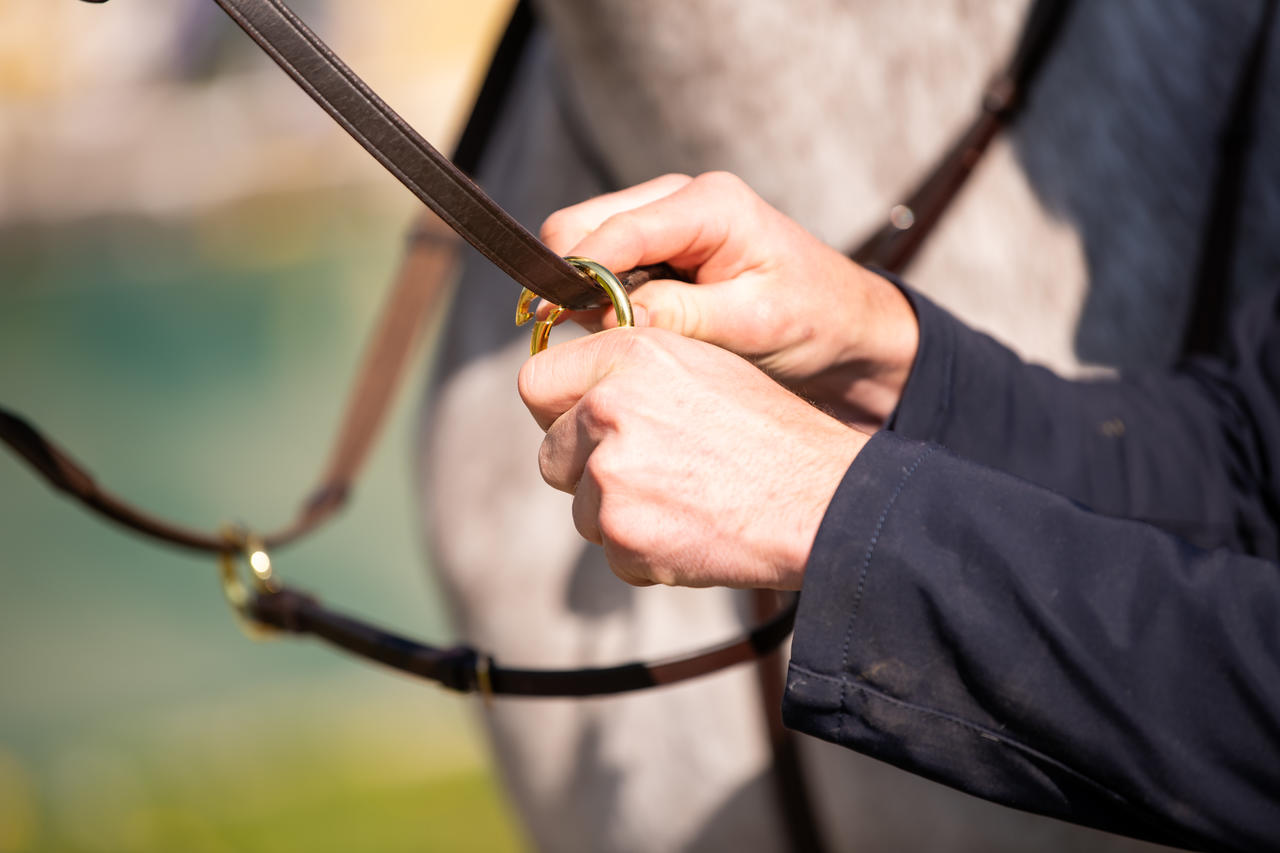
x,y
460,668
419,288
895,244
425,171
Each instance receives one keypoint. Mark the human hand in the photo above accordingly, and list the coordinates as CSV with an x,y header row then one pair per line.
x,y
690,466
763,288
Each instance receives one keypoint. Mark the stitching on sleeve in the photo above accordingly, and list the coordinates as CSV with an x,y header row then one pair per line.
x,y
866,566
948,381
969,726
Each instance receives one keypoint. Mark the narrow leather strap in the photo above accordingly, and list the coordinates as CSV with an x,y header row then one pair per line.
x,y
466,670
423,280
418,290
425,171
895,244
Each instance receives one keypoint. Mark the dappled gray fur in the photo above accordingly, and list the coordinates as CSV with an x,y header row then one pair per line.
x,y
1076,242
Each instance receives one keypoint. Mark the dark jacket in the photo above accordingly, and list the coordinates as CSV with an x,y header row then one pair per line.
x,y
1020,637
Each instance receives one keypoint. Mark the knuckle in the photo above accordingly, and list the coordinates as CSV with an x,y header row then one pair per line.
x,y
585,523
625,221
674,180
603,469
642,343
557,225
726,182
657,350
599,410
684,316
548,468
615,530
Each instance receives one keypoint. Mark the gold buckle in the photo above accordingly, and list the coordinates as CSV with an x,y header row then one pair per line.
x,y
243,544
484,680
603,278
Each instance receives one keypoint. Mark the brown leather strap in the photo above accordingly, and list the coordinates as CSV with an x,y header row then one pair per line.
x,y
425,171
464,669
422,281
895,244
419,288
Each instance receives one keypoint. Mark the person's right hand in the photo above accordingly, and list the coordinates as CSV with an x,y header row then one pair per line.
x,y
764,287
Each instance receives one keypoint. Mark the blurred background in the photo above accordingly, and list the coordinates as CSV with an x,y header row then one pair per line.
x,y
191,254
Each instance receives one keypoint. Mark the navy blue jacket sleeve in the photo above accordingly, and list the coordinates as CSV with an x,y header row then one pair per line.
x,y
1195,451
1024,639
976,629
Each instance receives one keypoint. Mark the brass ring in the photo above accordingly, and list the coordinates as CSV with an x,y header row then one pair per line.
x,y
604,279
243,544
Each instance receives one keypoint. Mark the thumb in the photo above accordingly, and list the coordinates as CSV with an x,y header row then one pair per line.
x,y
553,381
713,312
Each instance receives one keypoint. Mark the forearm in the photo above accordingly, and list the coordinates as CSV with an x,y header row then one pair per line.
x,y
978,630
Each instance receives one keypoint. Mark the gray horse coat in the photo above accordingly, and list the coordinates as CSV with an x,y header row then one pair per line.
x,y
1076,242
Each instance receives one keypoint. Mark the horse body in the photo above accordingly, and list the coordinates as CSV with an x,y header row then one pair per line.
x,y
1076,242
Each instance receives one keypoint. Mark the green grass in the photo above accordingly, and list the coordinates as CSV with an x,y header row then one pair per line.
x,y
314,808
198,366
388,766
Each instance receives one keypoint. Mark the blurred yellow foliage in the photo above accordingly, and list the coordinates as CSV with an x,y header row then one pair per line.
x,y
83,85
18,814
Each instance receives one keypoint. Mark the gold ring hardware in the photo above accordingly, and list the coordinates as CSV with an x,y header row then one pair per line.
x,y
603,278
242,544
484,681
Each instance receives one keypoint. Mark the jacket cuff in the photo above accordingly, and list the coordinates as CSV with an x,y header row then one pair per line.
x,y
836,580
926,399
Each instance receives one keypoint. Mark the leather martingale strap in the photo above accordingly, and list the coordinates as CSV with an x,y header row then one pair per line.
x,y
425,171
464,669
895,244
419,288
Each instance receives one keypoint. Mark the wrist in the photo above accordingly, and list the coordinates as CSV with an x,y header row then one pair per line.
x,y
874,340
818,472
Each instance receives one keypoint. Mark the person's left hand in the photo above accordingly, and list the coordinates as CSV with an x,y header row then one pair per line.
x,y
689,465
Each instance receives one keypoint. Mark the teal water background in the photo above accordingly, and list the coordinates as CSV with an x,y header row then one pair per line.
x,y
198,367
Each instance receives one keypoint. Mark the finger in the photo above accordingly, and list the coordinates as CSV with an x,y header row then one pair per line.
x,y
586,518
553,381
724,313
562,457
586,510
688,229
565,228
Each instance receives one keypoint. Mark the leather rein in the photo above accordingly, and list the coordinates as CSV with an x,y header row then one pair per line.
x,y
465,211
